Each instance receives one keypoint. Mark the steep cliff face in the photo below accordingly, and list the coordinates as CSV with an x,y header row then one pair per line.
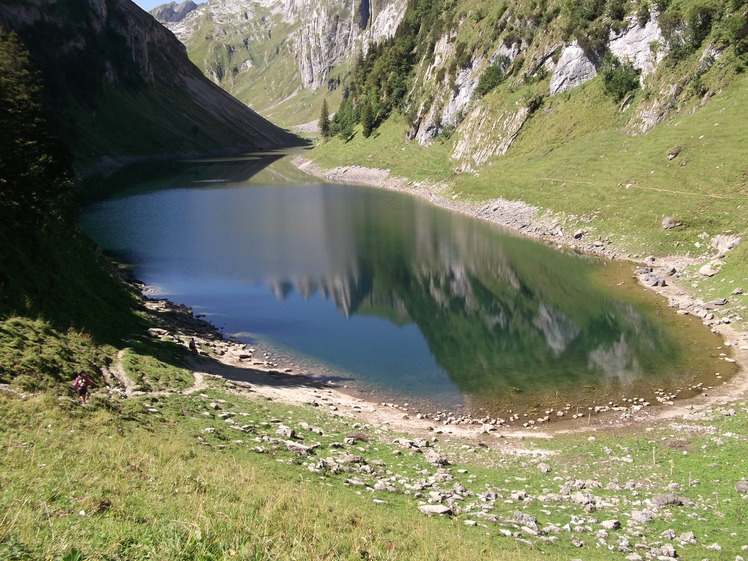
x,y
122,86
484,133
479,70
330,33
269,51
488,73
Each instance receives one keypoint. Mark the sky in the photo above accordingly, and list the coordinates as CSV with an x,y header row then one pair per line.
x,y
148,5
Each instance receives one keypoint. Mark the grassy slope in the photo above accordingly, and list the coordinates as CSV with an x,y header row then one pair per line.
x,y
139,479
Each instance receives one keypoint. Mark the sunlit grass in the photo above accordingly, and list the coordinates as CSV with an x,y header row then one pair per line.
x,y
148,489
116,480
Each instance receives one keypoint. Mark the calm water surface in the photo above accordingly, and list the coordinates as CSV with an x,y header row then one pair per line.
x,y
404,299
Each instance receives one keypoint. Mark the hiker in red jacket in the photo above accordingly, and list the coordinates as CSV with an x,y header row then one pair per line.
x,y
81,385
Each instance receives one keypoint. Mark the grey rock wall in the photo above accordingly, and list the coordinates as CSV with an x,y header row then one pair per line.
x,y
573,68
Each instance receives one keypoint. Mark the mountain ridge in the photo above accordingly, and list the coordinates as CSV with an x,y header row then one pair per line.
x,y
173,12
277,54
470,59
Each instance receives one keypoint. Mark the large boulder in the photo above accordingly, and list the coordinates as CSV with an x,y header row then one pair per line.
x,y
435,510
724,243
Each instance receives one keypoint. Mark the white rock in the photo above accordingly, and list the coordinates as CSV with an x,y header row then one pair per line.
x,y
435,510
573,68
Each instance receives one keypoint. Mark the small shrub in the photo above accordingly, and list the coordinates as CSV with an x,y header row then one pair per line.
x,y
501,10
14,550
670,24
463,55
619,78
511,37
534,103
698,22
491,77
735,27
642,15
594,38
616,9
697,87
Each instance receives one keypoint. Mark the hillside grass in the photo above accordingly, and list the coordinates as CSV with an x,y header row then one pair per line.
x,y
115,481
55,275
140,479
627,182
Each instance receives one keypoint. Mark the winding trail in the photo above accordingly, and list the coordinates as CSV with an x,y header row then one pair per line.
x,y
199,385
117,371
116,376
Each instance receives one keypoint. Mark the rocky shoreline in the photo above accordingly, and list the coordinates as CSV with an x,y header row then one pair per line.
x,y
549,502
659,275
256,369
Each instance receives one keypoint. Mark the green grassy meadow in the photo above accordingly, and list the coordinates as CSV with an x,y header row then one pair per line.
x,y
141,478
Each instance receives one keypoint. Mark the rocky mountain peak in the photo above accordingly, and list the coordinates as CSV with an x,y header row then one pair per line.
x,y
317,35
173,12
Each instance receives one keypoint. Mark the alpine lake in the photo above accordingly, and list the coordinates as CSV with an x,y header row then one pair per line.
x,y
394,298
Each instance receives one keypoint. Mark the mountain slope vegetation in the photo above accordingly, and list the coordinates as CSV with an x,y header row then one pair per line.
x,y
60,304
120,86
616,115
169,474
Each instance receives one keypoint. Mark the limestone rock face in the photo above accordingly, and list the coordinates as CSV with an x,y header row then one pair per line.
x,y
324,38
573,68
634,44
452,101
317,34
479,141
330,31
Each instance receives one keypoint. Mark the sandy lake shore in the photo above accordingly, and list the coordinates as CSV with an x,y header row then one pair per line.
x,y
252,370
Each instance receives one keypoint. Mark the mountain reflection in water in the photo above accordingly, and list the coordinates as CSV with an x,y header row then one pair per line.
x,y
503,321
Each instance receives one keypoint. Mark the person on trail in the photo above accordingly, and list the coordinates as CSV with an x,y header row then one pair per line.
x,y
81,385
193,347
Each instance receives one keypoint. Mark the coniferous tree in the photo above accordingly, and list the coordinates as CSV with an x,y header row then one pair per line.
x,y
367,118
35,168
324,120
